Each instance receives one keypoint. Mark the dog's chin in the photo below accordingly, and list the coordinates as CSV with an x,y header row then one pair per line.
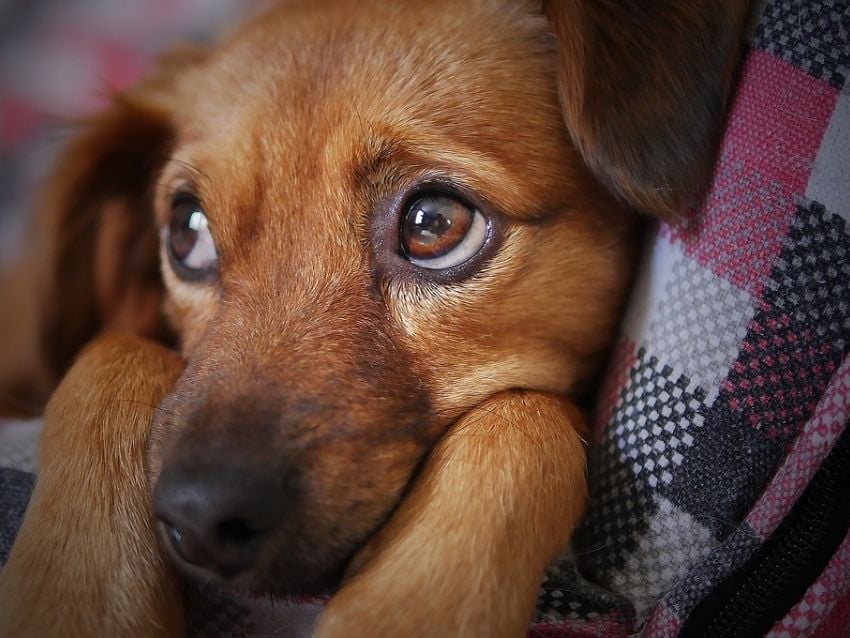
x,y
287,575
262,583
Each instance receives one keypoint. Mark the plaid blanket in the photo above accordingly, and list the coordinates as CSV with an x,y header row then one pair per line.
x,y
724,411
730,384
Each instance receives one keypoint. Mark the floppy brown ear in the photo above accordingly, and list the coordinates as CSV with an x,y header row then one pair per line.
x,y
644,87
100,246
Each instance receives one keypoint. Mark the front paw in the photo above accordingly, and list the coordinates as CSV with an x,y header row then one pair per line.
x,y
86,561
464,552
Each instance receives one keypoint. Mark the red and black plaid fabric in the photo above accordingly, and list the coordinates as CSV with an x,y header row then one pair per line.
x,y
730,383
729,390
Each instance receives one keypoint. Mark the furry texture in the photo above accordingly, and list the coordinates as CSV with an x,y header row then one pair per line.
x,y
503,432
319,353
84,563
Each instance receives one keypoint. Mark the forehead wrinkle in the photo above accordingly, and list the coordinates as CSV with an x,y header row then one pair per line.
x,y
301,217
386,162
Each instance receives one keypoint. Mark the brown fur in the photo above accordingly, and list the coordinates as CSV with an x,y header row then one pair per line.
x,y
322,356
84,563
503,432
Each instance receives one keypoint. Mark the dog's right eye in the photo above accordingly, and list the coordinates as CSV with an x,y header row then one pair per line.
x,y
191,248
440,232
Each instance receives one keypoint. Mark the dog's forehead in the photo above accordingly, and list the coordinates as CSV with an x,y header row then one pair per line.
x,y
292,112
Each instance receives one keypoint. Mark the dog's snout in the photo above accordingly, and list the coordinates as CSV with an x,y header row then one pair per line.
x,y
219,519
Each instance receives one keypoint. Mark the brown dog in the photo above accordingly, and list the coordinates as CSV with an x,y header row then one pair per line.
x,y
393,241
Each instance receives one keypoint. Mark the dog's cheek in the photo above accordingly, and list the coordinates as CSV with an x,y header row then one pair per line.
x,y
354,486
165,429
188,310
156,446
538,317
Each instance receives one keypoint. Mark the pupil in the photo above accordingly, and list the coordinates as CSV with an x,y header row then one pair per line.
x,y
432,223
433,226
184,232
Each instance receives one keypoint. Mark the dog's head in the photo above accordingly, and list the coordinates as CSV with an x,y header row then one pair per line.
x,y
360,219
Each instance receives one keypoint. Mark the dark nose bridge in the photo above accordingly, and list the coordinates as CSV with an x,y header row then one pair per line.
x,y
261,408
230,422
278,370
273,391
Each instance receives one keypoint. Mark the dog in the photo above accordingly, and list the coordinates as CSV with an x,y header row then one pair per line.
x,y
324,298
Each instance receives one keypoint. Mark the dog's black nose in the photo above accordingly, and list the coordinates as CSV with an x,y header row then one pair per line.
x,y
218,518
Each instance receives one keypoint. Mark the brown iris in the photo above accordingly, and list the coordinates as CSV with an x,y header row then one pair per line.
x,y
434,225
183,229
191,248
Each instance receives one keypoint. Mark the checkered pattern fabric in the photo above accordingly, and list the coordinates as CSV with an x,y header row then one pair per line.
x,y
731,380
729,385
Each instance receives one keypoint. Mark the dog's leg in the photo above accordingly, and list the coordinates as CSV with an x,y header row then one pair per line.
x,y
465,552
87,561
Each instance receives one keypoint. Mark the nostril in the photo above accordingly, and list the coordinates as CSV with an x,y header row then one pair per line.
x,y
217,519
187,545
236,531
230,547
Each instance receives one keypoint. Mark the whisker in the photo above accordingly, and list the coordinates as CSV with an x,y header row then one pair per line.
x,y
593,550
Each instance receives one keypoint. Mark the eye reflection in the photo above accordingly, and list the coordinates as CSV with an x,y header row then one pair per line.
x,y
190,244
440,231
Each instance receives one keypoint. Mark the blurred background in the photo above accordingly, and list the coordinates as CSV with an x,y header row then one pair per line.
x,y
61,59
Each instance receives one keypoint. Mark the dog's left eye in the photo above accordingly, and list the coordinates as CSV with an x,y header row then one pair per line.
x,y
191,248
439,231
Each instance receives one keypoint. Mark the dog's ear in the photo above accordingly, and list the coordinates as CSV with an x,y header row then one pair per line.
x,y
100,265
644,87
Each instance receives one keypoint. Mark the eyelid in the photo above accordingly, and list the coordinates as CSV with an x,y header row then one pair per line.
x,y
171,189
198,221
183,194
